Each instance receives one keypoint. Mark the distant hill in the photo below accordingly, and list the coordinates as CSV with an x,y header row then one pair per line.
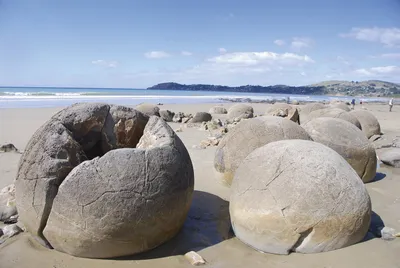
x,y
349,88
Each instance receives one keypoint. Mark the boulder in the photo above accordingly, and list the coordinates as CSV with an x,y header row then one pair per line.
x,y
9,147
295,102
391,157
284,110
7,203
104,181
178,117
348,141
240,111
167,115
369,124
218,110
298,196
340,105
249,135
305,110
333,113
148,109
201,117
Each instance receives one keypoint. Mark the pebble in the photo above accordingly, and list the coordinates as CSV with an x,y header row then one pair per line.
x,y
388,233
194,258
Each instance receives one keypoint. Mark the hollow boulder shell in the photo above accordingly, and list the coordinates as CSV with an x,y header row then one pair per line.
x,y
333,113
249,135
348,141
84,189
298,196
369,124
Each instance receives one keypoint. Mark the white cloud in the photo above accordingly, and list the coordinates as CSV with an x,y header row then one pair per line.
x,y
303,74
255,58
110,64
156,55
301,42
186,53
387,36
279,42
222,50
383,71
391,56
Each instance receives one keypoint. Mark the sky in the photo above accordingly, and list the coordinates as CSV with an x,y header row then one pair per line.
x,y
139,43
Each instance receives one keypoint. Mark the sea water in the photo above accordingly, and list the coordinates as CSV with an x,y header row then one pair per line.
x,y
36,97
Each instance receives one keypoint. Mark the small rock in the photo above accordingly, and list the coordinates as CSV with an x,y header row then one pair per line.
x,y
178,129
199,147
167,115
185,120
10,231
374,138
388,233
178,117
194,258
6,148
391,157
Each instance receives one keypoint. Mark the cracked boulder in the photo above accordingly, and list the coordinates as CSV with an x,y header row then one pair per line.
x,y
369,124
284,110
348,141
298,196
249,135
333,113
240,111
102,181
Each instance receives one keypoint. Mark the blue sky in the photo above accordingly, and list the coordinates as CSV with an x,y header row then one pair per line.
x,y
136,44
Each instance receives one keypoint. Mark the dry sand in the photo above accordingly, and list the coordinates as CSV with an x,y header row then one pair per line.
x,y
207,229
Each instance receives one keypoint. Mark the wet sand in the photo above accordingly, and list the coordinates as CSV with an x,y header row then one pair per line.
x,y
207,228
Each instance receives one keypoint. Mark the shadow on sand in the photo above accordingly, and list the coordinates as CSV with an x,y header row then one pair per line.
x,y
208,223
375,227
379,176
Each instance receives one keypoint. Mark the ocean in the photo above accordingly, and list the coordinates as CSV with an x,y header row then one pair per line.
x,y
36,97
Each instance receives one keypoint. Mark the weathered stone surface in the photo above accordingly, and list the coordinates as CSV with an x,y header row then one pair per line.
x,y
178,117
125,202
249,135
340,105
201,117
348,141
167,115
10,231
369,124
7,203
305,110
284,110
388,233
58,189
218,110
286,197
194,258
333,113
148,109
240,111
391,157
295,102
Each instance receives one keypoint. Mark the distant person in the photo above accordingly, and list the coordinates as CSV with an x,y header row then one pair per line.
x,y
288,100
353,103
390,104
360,102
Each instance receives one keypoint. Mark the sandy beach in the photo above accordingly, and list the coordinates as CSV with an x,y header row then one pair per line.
x,y
207,229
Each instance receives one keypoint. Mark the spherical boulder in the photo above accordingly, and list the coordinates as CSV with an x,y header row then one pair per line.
x,y
305,110
102,181
348,141
240,111
167,115
369,124
249,135
340,105
284,110
218,110
298,196
201,117
148,109
333,113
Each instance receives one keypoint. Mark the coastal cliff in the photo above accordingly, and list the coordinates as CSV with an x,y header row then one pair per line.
x,y
349,88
